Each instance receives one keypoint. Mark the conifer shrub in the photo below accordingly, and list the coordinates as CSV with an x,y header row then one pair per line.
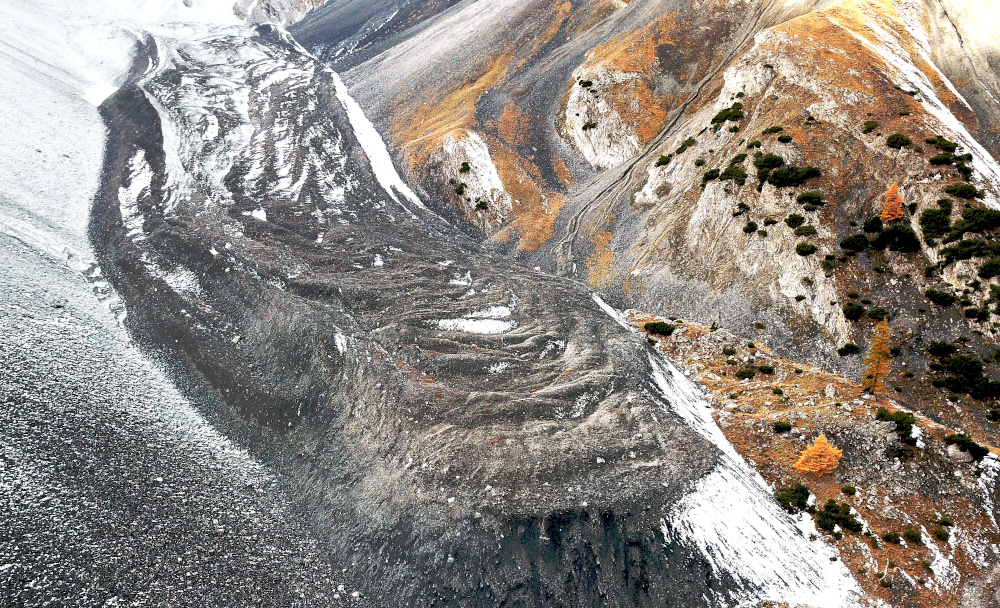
x,y
939,348
731,114
772,130
792,176
873,224
935,223
848,349
966,191
664,160
897,237
941,298
735,174
912,537
782,427
750,227
687,143
660,328
869,126
853,311
891,537
785,139
805,231
897,141
794,220
855,242
990,269
878,313
964,442
805,249
793,498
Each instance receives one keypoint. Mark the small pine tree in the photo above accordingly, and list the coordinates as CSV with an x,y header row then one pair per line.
x,y
819,459
892,208
878,360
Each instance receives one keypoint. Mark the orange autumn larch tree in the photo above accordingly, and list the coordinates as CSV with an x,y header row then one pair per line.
x,y
879,359
819,458
892,208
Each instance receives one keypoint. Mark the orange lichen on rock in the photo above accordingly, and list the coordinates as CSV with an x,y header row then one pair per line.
x,y
892,208
819,459
562,171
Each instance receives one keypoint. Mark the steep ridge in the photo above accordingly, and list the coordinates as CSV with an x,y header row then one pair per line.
x,y
116,490
458,429
482,108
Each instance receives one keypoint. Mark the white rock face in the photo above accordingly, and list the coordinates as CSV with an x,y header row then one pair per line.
x,y
594,127
482,181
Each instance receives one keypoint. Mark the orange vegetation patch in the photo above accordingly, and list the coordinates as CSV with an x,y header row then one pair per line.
x,y
534,212
562,171
602,262
421,131
514,124
635,99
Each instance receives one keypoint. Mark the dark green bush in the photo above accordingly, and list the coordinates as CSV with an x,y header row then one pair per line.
x,y
791,176
465,168
878,313
746,373
944,521
765,163
849,490
738,159
734,173
729,351
873,224
805,249
741,208
990,269
966,191
833,515
782,427
794,498
965,250
897,141
941,298
687,143
870,125
664,160
904,424
897,237
941,349
770,130
482,205
460,189
770,222
853,311
750,227
941,534
586,83
660,328
966,443
700,162
942,144
589,125
941,159
855,242
913,537
795,220
935,223
785,139
806,198
733,113
765,369
848,350
710,175
754,144
975,219
891,537
805,231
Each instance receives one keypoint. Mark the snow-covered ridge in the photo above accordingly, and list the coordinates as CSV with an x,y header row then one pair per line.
x,y
732,518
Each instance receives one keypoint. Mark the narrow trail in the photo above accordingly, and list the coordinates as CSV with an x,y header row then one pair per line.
x,y
623,176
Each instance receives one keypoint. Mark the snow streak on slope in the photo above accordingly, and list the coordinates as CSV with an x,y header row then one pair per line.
x,y
374,147
733,519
